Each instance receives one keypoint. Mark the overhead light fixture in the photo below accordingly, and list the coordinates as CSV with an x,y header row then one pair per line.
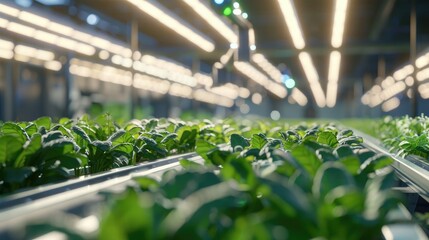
x,y
208,15
170,20
80,37
11,11
6,53
313,78
33,19
339,22
422,60
299,97
422,74
254,74
403,72
212,98
391,104
291,18
8,45
268,68
333,75
21,29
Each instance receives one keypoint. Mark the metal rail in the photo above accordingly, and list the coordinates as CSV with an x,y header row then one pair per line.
x,y
79,192
416,175
412,171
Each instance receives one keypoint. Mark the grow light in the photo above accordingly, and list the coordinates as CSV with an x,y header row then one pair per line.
x,y
313,78
291,18
402,73
339,21
333,75
180,90
208,97
59,29
298,97
213,19
265,65
390,104
228,90
254,74
151,84
423,74
170,20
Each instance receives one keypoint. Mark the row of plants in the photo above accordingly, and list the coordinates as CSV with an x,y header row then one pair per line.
x,y
274,182
42,151
405,135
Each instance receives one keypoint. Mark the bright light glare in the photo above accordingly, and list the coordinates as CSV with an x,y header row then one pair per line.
x,y
333,75
313,78
244,109
299,97
236,11
170,20
254,74
290,83
256,98
208,15
339,22
268,68
423,74
403,72
422,60
33,19
9,10
390,105
92,19
6,44
291,19
275,115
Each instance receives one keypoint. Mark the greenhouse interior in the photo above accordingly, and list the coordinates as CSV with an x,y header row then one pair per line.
x,y
214,119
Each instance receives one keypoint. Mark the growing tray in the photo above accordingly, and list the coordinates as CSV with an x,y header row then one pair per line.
x,y
411,170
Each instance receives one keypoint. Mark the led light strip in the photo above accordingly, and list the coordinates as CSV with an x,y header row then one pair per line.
x,y
28,54
298,97
212,19
291,18
333,75
313,78
254,74
335,56
63,36
268,68
170,20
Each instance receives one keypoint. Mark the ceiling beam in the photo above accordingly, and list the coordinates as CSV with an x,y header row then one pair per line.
x,y
363,49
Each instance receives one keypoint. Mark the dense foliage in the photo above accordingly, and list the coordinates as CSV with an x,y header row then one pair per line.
x,y
40,152
270,181
300,183
406,135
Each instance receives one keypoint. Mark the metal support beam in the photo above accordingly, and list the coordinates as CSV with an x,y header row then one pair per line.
x,y
68,78
413,46
134,42
365,48
9,91
377,27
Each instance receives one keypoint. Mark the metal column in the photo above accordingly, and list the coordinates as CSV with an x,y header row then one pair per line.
x,y
69,87
413,43
9,91
134,42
